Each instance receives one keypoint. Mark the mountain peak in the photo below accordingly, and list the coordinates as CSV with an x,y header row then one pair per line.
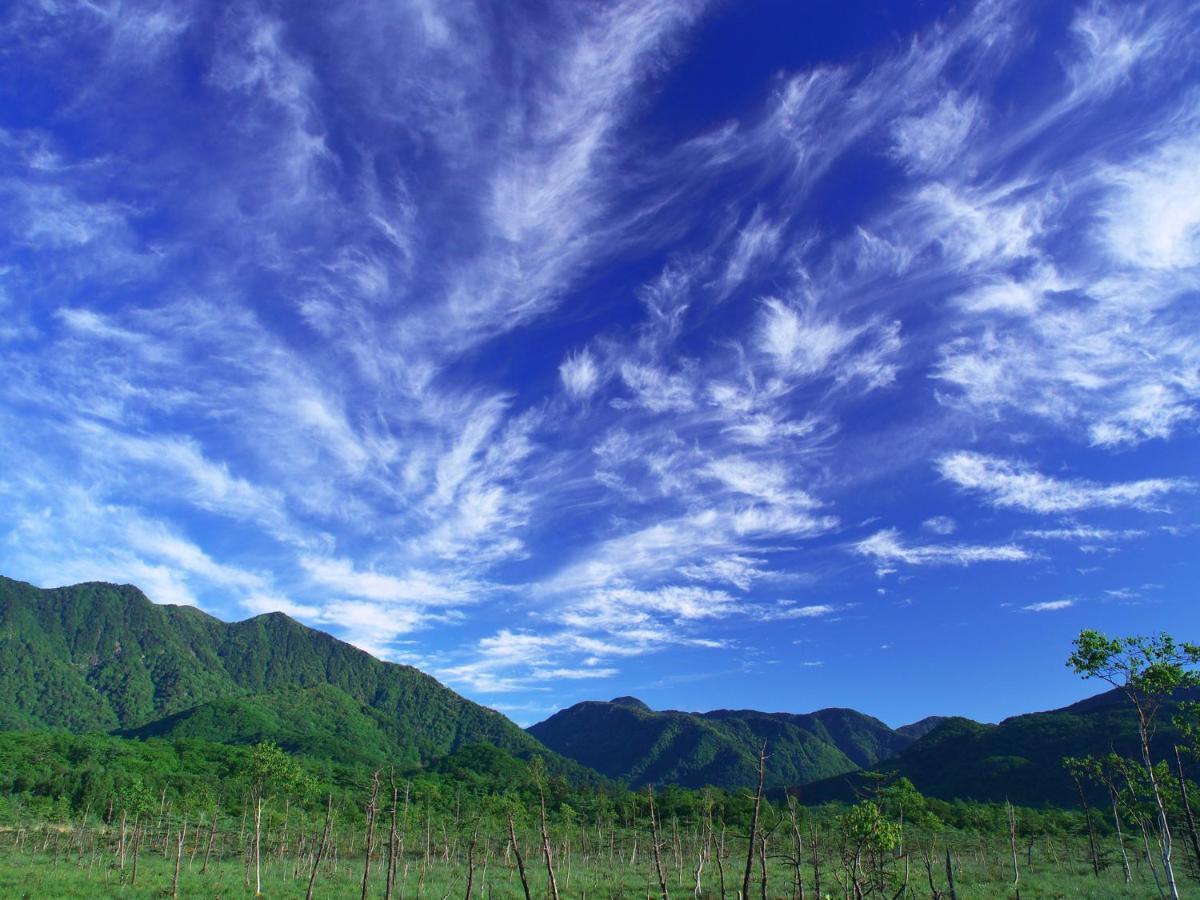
x,y
631,702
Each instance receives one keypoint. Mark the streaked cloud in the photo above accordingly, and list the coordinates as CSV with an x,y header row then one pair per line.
x,y
888,547
1017,485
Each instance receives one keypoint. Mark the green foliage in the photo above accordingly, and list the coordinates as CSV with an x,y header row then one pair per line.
x,y
864,828
272,772
1148,667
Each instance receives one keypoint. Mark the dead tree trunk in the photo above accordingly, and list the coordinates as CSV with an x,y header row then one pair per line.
x,y
212,833
366,879
762,861
391,854
312,878
1187,808
471,861
662,882
512,836
121,845
762,762
1087,815
797,850
546,851
1115,798
721,860
950,875
179,839
1012,841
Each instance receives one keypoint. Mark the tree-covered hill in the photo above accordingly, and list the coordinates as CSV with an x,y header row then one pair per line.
x,y
921,727
320,721
626,739
1019,759
102,657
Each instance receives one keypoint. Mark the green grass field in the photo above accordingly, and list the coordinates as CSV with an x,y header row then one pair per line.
x,y
982,873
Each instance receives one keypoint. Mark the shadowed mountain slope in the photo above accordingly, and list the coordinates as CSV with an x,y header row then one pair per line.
x,y
1019,759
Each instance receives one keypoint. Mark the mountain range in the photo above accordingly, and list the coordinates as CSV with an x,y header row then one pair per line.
x,y
1019,759
103,657
626,740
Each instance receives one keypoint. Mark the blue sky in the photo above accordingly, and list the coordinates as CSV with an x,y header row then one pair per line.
x,y
763,355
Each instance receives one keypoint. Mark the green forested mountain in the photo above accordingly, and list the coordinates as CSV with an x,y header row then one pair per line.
x,y
626,739
102,657
1019,759
320,721
921,727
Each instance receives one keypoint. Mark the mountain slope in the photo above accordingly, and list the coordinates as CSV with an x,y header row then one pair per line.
x,y
1019,759
625,739
921,727
103,657
321,721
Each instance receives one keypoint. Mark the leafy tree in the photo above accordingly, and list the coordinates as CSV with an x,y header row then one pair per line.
x,y
865,832
272,772
1148,671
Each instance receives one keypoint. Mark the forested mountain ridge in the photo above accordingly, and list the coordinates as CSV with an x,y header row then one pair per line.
x,y
103,657
1020,759
625,739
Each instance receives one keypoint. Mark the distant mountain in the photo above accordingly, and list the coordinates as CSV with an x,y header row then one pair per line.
x,y
102,657
921,727
1019,759
625,739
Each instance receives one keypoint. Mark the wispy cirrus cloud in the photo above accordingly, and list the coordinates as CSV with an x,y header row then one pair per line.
x,y
1084,533
428,323
1049,606
1017,485
888,547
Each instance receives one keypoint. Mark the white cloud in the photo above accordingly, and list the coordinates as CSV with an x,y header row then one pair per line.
x,y
755,242
1152,215
1049,606
511,660
657,389
788,609
1084,533
654,550
579,374
943,525
799,342
735,569
257,604
887,547
929,142
612,609
374,626
414,588
1016,485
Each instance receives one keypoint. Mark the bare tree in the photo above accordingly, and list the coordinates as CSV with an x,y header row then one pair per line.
x,y
762,762
371,811
512,836
1012,842
312,879
662,882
